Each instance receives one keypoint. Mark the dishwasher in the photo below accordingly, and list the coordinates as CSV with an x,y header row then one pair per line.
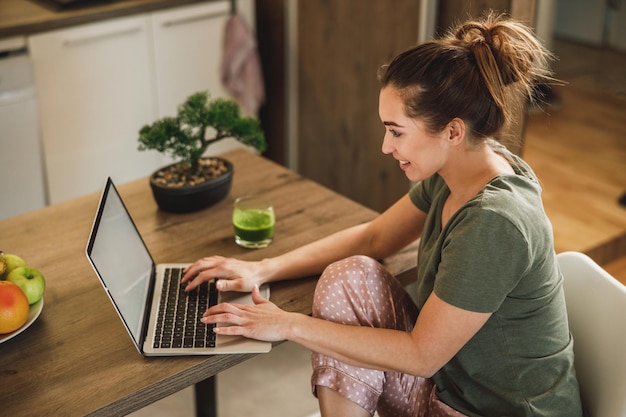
x,y
22,181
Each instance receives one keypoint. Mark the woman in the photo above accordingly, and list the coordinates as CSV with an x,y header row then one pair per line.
x,y
489,334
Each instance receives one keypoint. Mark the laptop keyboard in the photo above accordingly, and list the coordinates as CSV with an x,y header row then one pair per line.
x,y
178,322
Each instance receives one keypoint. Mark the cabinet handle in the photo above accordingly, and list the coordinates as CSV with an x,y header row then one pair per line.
x,y
96,37
190,19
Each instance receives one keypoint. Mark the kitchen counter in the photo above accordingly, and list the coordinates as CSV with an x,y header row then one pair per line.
x,y
26,17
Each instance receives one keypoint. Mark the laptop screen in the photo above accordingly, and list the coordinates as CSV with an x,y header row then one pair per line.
x,y
121,260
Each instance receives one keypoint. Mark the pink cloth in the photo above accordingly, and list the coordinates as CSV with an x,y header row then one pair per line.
x,y
242,75
359,291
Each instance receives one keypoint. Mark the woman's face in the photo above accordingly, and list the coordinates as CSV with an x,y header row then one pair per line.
x,y
420,153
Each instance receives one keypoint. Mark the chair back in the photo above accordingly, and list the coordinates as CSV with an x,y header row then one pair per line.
x,y
596,309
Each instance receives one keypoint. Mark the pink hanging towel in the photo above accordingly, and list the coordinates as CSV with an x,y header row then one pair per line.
x,y
242,75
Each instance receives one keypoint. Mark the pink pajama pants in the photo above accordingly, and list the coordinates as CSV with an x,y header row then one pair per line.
x,y
359,291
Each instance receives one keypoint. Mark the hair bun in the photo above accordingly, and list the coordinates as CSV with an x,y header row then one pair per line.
x,y
492,42
473,33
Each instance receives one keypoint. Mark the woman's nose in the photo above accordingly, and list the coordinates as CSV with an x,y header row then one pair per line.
x,y
387,147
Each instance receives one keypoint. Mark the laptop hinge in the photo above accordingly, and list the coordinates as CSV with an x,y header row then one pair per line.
x,y
147,308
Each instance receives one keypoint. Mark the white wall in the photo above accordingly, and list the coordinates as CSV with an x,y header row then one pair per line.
x,y
593,22
617,25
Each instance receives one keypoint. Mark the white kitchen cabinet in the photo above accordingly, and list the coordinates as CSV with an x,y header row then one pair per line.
x,y
188,52
99,83
95,87
188,46
22,186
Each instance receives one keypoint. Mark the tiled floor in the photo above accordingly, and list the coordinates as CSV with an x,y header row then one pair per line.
x,y
272,384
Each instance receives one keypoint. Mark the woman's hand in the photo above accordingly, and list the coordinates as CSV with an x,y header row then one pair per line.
x,y
231,274
261,321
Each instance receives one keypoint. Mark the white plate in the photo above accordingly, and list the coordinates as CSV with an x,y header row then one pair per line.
x,y
34,312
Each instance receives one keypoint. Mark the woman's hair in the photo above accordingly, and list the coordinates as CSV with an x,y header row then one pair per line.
x,y
475,72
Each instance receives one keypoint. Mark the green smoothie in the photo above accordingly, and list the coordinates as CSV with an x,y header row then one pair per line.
x,y
253,226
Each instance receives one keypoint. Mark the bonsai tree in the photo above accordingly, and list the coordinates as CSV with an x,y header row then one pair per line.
x,y
199,123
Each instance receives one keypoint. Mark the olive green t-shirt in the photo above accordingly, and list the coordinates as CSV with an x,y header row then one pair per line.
x,y
496,255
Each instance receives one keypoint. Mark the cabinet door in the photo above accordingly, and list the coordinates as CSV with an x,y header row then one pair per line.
x,y
22,185
188,52
95,88
188,43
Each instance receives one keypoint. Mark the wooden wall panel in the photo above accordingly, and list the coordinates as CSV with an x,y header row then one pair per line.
x,y
271,31
341,45
452,12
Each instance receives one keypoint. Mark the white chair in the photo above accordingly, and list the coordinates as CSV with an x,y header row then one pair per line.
x,y
596,308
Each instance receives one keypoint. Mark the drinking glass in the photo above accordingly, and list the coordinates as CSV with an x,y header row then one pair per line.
x,y
253,221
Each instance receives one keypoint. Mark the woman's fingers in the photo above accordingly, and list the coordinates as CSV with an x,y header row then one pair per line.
x,y
261,321
236,309
203,270
257,298
230,284
231,274
224,313
229,316
197,273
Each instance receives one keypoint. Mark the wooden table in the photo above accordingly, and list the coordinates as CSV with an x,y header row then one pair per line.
x,y
77,359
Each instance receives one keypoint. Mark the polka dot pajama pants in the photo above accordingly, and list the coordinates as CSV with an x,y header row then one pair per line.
x,y
359,291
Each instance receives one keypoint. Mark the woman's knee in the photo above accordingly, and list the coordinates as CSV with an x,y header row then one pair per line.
x,y
344,286
350,270
359,290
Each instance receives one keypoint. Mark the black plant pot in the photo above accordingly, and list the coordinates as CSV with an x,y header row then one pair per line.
x,y
192,198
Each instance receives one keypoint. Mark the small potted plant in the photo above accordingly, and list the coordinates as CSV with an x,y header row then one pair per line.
x,y
194,181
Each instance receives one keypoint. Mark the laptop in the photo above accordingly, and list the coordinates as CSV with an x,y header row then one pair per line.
x,y
139,290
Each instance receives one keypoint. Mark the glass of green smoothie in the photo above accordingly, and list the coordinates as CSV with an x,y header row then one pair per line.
x,y
253,220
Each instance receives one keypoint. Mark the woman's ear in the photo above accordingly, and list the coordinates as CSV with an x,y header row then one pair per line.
x,y
456,131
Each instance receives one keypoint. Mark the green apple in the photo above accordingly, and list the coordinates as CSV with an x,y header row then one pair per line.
x,y
30,280
11,261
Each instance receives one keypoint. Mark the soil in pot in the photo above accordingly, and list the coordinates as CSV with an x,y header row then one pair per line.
x,y
175,190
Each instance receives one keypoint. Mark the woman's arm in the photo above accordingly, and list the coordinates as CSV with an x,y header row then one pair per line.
x,y
391,231
388,233
440,331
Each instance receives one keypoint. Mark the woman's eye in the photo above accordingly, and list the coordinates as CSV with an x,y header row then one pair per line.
x,y
394,133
